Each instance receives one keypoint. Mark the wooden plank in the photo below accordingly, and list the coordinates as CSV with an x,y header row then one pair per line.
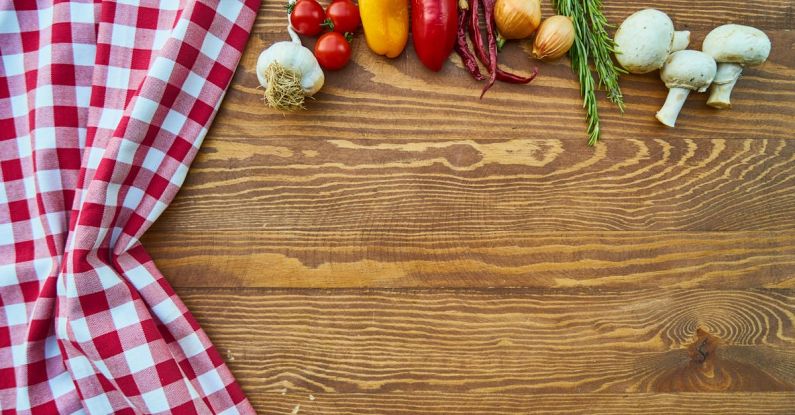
x,y
485,186
491,404
502,341
765,14
380,258
375,98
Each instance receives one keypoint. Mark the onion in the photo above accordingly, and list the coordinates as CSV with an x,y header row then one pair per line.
x,y
517,19
554,38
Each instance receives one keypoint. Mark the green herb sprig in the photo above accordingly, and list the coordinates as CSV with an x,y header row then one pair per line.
x,y
592,42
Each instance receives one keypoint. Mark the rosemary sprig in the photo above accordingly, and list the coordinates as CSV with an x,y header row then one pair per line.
x,y
592,42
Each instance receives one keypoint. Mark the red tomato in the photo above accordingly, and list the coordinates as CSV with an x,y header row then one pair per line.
x,y
344,16
332,51
307,17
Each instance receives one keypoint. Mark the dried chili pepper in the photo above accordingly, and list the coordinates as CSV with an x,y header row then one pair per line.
x,y
461,46
475,35
488,11
490,59
511,78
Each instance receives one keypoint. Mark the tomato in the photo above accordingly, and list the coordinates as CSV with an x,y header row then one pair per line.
x,y
343,15
307,17
332,51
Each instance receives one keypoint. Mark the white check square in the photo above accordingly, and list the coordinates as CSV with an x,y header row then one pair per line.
x,y
13,64
84,54
98,404
23,399
212,46
80,329
42,96
174,122
109,119
124,315
191,345
81,12
166,311
139,358
61,385
156,400
16,314
139,277
211,382
194,84
123,35
49,180
6,238
153,159
118,78
133,198
9,22
19,105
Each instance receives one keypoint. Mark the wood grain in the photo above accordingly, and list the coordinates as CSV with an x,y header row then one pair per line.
x,y
483,259
521,185
386,258
502,341
502,404
381,99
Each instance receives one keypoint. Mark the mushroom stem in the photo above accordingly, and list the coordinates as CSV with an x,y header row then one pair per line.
x,y
725,78
681,40
673,104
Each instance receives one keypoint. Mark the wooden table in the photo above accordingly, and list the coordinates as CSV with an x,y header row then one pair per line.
x,y
404,248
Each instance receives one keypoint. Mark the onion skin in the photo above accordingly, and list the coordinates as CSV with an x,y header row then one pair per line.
x,y
554,38
517,19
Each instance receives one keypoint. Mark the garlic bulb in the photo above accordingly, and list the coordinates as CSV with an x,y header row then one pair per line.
x,y
554,38
289,72
517,19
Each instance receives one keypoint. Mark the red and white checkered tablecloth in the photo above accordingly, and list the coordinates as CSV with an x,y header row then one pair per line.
x,y
103,105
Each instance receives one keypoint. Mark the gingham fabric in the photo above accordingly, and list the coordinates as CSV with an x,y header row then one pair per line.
x,y
103,105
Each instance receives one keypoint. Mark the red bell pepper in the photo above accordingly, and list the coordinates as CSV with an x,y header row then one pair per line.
x,y
434,24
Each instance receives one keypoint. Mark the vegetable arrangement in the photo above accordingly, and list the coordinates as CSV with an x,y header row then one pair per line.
x,y
591,42
487,54
289,72
646,41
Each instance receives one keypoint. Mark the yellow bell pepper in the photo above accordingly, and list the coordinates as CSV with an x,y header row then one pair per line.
x,y
386,25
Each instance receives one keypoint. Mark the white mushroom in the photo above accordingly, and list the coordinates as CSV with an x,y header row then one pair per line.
x,y
733,46
684,71
645,39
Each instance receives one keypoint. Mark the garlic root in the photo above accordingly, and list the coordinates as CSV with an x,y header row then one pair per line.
x,y
284,91
289,72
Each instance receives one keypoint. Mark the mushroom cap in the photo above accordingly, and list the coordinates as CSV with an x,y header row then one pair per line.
x,y
643,41
689,69
734,43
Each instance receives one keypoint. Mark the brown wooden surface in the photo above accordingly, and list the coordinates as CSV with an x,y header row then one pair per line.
x,y
404,248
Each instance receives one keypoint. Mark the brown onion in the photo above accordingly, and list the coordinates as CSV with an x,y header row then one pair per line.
x,y
517,19
554,38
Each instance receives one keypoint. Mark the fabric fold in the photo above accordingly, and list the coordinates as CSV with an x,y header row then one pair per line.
x,y
103,106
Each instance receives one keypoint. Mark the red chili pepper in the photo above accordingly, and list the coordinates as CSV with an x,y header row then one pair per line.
x,y
515,79
433,27
488,11
474,33
477,41
461,46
